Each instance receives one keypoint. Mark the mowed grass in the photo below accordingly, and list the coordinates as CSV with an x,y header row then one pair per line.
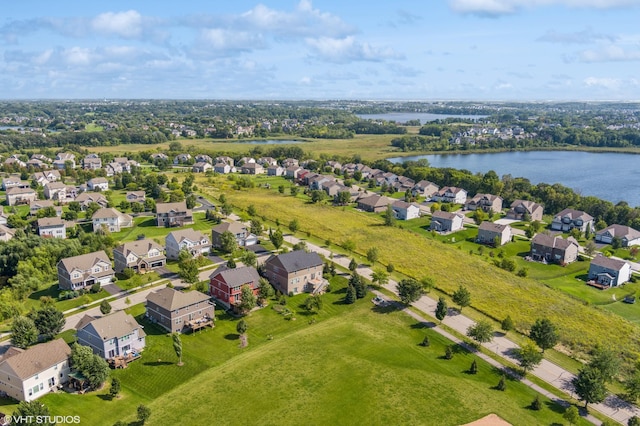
x,y
495,292
363,367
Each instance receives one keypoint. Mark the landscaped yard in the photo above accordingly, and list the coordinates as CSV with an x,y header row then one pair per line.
x,y
355,365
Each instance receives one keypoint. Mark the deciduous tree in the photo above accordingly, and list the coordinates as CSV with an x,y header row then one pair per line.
x,y
544,333
461,297
409,290
247,298
481,332
528,356
589,386
23,332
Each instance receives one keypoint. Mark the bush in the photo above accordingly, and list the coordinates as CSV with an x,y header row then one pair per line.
x,y
502,384
448,353
128,273
425,342
390,268
536,404
96,288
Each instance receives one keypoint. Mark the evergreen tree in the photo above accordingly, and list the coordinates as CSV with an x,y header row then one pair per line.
x,y
441,309
536,404
507,324
350,296
177,346
474,367
23,332
502,384
353,265
241,327
448,353
114,390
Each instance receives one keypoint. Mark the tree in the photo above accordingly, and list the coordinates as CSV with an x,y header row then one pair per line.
x,y
256,226
372,255
92,366
105,307
544,333
251,210
632,386
528,357
114,390
247,298
536,404
589,386
633,421
31,408
461,297
380,277
481,332
143,413
343,198
353,265
409,290
188,270
313,303
448,352
441,309
502,384
265,290
474,367
606,362
507,323
23,332
294,190
350,295
228,242
318,196
241,327
571,414
249,258
231,264
590,248
294,226
427,284
389,216
276,238
177,346
355,281
425,342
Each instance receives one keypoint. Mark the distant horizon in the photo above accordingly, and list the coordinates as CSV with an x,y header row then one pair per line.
x,y
454,50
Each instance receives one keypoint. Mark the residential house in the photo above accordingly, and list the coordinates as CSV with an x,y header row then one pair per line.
x,y
451,194
275,171
136,196
141,255
290,162
117,334
493,233
554,249
16,196
204,158
28,374
251,169
87,198
225,284
181,159
174,310
45,177
247,160
627,235
14,181
173,214
446,222
84,271
41,157
113,169
521,209
488,203
226,160
293,172
609,272
110,219
244,238
159,156
374,203
55,191
194,242
405,211
98,184
14,160
569,219
201,167
223,168
267,161
52,227
295,272
91,162
62,159
38,205
6,233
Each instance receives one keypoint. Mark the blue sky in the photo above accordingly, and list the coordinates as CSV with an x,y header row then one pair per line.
x,y
405,49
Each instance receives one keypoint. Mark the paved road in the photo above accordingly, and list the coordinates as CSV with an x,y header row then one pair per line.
x,y
613,407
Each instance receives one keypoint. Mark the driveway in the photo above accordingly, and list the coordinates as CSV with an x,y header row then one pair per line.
x,y
112,289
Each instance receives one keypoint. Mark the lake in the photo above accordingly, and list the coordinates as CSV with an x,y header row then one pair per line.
x,y
403,117
270,142
610,176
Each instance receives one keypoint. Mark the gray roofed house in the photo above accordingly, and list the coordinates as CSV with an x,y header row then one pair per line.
x,y
519,209
194,242
111,335
174,310
51,227
241,232
17,196
295,272
374,203
84,270
608,272
98,183
111,219
493,233
568,219
225,284
554,249
626,234
37,205
6,233
141,255
488,203
446,222
173,214
136,196
31,373
87,198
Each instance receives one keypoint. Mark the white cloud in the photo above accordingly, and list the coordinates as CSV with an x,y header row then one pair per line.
x,y
502,7
603,82
221,39
347,49
77,56
610,53
585,36
124,24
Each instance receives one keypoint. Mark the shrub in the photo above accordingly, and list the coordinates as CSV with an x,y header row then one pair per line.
x,y
536,404
390,268
128,273
502,384
448,353
96,288
425,342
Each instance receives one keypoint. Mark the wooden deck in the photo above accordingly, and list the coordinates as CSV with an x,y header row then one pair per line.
x,y
200,323
123,361
598,285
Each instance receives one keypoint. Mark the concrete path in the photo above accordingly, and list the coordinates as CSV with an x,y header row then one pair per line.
x,y
612,407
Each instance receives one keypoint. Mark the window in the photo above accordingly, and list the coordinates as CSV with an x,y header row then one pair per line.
x,y
52,381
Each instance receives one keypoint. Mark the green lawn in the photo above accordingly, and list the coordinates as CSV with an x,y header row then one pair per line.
x,y
33,301
355,364
146,225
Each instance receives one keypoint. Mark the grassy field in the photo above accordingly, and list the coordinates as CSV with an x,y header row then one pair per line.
x,y
354,364
496,293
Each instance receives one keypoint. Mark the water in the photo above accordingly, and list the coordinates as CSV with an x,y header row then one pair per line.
x,y
270,142
424,117
610,176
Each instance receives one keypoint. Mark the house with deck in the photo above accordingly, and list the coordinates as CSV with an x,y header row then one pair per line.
x,y
194,242
405,211
488,203
52,227
424,188
111,219
295,272
607,272
86,198
523,209
225,284
450,194
240,231
177,311
493,234
116,334
17,196
554,249
173,214
28,374
98,184
374,203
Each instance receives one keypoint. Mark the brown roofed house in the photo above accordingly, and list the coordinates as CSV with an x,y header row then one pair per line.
x,y
141,255
84,271
173,214
295,272
112,335
176,311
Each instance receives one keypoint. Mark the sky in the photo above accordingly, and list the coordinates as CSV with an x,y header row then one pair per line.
x,y
476,50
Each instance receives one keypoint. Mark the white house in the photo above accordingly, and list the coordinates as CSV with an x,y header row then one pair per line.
x,y
451,194
51,227
28,374
627,235
112,219
111,335
195,242
609,272
405,211
98,183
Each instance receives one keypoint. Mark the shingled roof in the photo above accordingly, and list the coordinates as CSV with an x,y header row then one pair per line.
x,y
297,260
170,299
116,325
237,276
36,359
